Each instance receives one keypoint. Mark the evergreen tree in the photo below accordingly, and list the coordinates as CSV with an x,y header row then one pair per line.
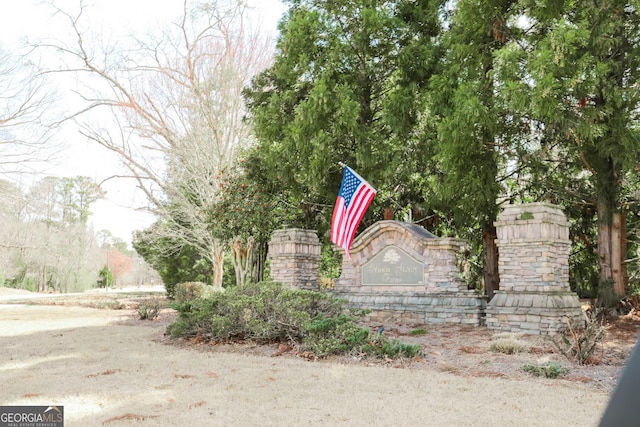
x,y
584,70
477,134
346,87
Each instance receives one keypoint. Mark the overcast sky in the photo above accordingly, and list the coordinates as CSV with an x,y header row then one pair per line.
x,y
31,19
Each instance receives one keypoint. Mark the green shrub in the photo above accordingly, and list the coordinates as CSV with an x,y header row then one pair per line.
x,y
419,331
339,335
193,316
381,346
264,312
188,291
271,312
105,277
334,335
170,288
547,370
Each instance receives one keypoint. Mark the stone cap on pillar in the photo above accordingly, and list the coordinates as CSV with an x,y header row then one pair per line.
x,y
294,242
532,221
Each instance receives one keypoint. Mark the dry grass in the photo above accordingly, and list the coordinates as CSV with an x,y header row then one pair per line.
x,y
508,343
109,368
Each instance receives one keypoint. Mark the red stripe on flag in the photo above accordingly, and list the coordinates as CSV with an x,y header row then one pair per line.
x,y
345,221
362,199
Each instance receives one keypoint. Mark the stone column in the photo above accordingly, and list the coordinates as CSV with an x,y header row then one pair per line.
x,y
295,257
534,296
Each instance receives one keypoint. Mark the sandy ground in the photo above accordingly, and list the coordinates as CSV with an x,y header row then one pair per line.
x,y
108,368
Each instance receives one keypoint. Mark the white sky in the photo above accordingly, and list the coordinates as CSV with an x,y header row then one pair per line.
x,y
30,19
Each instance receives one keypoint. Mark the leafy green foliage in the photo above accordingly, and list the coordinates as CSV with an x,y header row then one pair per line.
x,y
270,312
334,335
105,278
584,72
340,335
547,370
452,108
330,263
263,312
244,208
184,266
382,347
346,87
188,291
22,281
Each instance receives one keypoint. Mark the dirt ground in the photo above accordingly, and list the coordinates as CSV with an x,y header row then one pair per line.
x,y
92,355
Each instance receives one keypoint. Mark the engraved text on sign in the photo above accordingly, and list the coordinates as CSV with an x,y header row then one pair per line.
x,y
392,266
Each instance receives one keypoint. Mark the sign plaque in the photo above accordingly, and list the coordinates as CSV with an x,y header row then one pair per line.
x,y
392,266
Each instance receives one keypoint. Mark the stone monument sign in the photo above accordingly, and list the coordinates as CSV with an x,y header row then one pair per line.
x,y
404,273
401,271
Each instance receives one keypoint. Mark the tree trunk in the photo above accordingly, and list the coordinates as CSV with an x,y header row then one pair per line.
x,y
43,280
218,264
624,276
617,255
260,261
242,258
612,249
604,243
490,261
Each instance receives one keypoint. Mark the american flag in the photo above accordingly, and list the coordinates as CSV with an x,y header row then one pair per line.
x,y
353,200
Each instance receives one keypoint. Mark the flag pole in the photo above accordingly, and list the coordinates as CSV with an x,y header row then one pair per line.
x,y
342,164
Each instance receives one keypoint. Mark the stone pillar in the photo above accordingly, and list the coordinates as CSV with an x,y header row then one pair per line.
x,y
295,257
534,296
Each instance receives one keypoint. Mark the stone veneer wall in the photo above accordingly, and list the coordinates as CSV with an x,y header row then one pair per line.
x,y
534,296
441,297
295,257
419,308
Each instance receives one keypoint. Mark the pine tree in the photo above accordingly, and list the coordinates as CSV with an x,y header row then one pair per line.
x,y
584,70
476,132
346,86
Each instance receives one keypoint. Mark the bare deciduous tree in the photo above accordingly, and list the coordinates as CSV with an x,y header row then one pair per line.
x,y
177,111
25,114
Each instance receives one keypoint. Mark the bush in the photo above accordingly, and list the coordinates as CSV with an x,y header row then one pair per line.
x,y
149,310
334,335
105,277
191,290
339,335
171,290
547,370
270,312
579,344
381,346
264,312
193,316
